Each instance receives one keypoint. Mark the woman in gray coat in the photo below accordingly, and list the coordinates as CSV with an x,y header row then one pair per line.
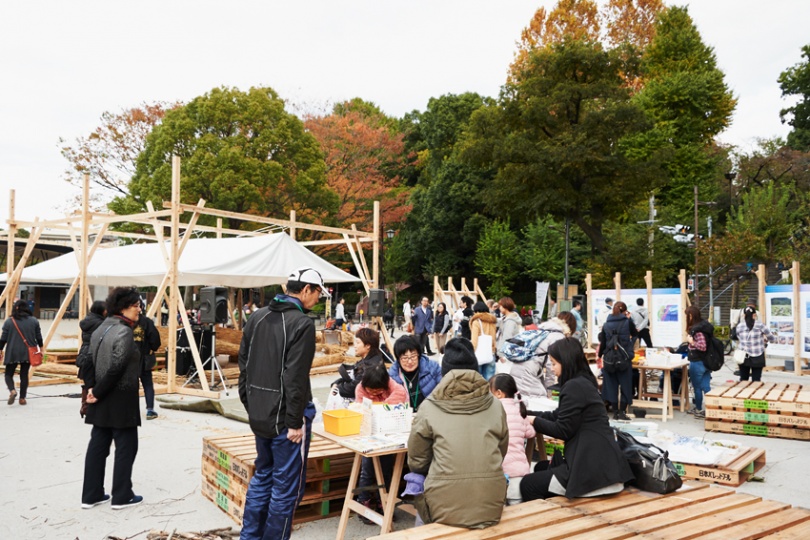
x,y
17,352
113,402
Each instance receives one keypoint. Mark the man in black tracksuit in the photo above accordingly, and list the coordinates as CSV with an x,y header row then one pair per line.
x,y
278,345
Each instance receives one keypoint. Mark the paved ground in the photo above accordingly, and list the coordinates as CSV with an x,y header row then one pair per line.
x,y
42,448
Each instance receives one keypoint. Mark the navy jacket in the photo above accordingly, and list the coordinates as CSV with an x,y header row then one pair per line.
x,y
422,322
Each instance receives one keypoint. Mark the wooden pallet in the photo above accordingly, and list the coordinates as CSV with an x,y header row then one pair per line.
x,y
733,473
228,465
697,510
763,409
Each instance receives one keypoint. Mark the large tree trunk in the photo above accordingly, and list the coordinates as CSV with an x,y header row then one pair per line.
x,y
594,232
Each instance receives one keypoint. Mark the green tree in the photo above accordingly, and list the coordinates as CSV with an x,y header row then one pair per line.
x,y
686,96
557,140
241,151
795,81
497,257
543,251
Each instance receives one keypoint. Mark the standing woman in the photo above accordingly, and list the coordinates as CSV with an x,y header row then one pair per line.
x,y
88,325
484,323
19,329
617,387
340,314
113,409
699,332
441,326
510,323
752,335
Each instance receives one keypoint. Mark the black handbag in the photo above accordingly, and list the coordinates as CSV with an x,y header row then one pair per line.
x,y
650,465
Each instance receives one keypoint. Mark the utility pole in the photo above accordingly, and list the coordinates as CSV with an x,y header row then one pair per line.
x,y
567,248
711,288
697,242
651,237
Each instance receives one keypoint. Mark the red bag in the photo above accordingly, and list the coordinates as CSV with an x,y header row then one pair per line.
x,y
34,353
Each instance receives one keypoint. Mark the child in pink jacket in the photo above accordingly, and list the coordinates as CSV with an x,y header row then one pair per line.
x,y
379,387
515,464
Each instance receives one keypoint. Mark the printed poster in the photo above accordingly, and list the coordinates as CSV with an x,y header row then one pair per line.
x,y
665,317
779,309
804,297
598,311
540,294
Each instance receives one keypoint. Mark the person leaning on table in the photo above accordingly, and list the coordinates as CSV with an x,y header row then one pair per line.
x,y
593,464
458,441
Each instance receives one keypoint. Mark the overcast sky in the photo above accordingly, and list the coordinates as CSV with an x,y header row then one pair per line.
x,y
62,64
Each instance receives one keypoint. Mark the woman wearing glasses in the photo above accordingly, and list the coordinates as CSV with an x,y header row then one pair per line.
x,y
413,370
113,409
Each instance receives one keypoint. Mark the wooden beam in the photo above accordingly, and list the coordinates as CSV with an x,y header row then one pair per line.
x,y
375,255
171,352
363,276
268,221
10,246
362,257
84,297
332,242
195,351
798,343
13,280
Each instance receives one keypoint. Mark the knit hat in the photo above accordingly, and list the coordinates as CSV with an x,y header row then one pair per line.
x,y
459,354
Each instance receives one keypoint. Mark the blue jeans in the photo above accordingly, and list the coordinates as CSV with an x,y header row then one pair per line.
x,y
277,486
487,370
701,381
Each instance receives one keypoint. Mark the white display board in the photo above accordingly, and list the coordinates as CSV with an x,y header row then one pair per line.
x,y
804,298
779,308
597,306
665,313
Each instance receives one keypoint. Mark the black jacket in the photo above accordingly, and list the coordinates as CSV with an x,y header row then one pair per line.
x,y
117,364
278,345
464,325
441,323
84,361
347,386
707,329
17,352
626,332
593,459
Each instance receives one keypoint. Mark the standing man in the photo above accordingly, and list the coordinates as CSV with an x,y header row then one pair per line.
x,y
641,319
423,325
275,357
147,339
407,312
576,311
606,310
340,314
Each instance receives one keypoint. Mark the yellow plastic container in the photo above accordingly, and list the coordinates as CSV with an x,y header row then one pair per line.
x,y
342,422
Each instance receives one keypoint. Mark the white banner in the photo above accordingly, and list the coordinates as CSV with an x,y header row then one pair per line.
x,y
540,294
598,310
804,298
665,313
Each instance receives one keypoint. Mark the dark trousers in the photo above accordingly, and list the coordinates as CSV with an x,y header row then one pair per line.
x,y
745,371
645,335
424,343
277,486
535,485
95,462
24,367
148,388
368,478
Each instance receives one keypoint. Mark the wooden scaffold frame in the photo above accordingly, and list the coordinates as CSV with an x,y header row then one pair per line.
x,y
79,225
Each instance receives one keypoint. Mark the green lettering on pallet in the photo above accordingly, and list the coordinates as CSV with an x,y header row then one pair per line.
x,y
756,404
327,466
325,486
223,459
755,430
222,501
680,468
756,417
223,480
325,508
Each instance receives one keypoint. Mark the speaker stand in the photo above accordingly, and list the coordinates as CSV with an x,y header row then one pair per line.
x,y
214,364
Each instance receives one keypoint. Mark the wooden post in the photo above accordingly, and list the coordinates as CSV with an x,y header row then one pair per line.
x,y
649,281
588,315
174,297
798,341
684,302
617,282
83,296
761,278
478,291
376,250
10,248
293,229
219,227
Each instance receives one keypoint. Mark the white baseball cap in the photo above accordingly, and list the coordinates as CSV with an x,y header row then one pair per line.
x,y
311,277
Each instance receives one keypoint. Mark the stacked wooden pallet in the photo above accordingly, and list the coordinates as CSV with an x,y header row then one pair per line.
x,y
733,472
227,467
695,511
759,408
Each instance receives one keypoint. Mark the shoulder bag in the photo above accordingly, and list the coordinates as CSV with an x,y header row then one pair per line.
x,y
34,352
483,350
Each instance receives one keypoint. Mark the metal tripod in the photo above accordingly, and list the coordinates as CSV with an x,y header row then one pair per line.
x,y
214,364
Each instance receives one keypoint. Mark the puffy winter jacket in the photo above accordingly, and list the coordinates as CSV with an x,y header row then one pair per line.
x,y
516,464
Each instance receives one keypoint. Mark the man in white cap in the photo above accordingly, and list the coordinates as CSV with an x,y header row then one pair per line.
x,y
278,345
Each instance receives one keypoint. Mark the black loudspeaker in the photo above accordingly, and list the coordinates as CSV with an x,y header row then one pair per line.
x,y
213,305
376,302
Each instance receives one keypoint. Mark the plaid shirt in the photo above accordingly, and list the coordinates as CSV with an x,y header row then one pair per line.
x,y
753,341
700,342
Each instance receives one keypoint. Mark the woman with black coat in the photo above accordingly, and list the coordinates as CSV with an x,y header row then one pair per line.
x,y
88,325
20,331
619,381
113,403
593,464
441,326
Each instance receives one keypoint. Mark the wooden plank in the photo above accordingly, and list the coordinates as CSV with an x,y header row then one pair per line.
x,y
800,531
733,474
768,524
758,430
718,521
662,504
791,421
693,511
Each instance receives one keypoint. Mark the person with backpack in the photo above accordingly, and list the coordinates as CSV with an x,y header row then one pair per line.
x,y
699,336
616,351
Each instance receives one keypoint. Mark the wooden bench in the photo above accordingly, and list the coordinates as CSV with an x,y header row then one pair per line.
x,y
697,510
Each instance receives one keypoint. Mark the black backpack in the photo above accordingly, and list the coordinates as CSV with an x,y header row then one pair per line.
x,y
715,354
615,358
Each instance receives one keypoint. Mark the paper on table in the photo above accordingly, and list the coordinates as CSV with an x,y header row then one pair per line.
x,y
376,443
541,404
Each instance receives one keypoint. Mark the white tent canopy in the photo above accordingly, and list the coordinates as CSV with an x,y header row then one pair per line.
x,y
231,262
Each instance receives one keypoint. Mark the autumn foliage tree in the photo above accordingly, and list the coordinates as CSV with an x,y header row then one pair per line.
x,y
363,153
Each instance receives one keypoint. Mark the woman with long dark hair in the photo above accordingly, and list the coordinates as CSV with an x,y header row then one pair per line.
x,y
699,335
20,331
593,464
752,335
441,326
113,402
367,347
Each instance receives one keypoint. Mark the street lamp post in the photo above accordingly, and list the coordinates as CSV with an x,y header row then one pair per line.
x,y
697,243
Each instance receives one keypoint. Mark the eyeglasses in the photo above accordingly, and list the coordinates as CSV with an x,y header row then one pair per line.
x,y
409,357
